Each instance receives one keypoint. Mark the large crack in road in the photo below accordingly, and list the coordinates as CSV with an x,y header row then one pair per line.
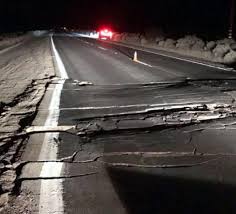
x,y
155,119
186,138
151,136
133,146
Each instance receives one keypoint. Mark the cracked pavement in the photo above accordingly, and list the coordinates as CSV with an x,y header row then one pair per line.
x,y
129,139
131,148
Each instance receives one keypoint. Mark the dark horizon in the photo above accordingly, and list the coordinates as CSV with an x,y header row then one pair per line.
x,y
205,18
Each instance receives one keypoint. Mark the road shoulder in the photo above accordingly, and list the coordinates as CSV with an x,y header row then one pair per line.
x,y
26,73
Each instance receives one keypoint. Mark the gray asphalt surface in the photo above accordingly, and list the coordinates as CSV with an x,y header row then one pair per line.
x,y
174,67
181,147
82,62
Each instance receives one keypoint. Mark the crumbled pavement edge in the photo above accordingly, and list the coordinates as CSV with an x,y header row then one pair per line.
x,y
21,111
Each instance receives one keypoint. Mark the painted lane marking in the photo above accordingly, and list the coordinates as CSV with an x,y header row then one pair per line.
x,y
173,106
88,43
51,198
142,63
102,48
137,105
60,64
191,61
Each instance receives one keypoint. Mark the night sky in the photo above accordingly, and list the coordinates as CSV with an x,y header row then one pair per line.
x,y
204,17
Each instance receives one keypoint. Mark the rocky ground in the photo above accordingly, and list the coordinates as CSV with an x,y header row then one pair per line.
x,y
25,74
220,51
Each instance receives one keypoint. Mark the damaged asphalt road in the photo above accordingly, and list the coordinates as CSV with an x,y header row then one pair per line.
x,y
114,136
163,147
175,153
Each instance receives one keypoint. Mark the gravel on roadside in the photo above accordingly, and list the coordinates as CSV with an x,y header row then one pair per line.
x,y
25,73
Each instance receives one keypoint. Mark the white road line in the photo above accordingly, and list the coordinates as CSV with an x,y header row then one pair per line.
x,y
51,198
131,106
102,48
81,40
91,44
192,61
164,106
60,64
143,63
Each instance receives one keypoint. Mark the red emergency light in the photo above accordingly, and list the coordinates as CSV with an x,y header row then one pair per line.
x,y
105,34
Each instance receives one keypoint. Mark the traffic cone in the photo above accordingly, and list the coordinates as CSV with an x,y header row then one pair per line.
x,y
135,56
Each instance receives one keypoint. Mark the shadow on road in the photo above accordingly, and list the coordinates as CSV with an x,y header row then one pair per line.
x,y
143,192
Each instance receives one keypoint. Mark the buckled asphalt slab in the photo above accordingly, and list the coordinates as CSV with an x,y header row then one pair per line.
x,y
134,147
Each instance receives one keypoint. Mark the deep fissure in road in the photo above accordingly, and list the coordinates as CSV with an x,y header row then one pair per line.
x,y
137,142
154,155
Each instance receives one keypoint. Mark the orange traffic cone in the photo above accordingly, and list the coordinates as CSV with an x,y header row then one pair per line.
x,y
135,56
